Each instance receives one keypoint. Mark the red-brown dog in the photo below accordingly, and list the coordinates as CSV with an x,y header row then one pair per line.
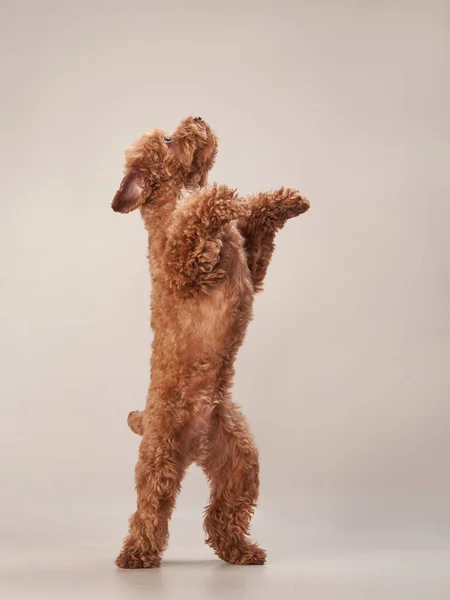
x,y
209,251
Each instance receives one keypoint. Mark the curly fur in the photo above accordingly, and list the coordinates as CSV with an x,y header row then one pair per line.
x,y
209,251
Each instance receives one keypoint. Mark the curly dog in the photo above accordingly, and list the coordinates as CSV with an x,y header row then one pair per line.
x,y
209,251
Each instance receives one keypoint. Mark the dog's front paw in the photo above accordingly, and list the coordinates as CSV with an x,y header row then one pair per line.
x,y
131,558
290,203
224,192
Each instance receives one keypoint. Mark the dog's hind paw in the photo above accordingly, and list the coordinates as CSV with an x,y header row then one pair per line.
x,y
250,554
137,559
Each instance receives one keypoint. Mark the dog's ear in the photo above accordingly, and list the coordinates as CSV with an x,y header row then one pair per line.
x,y
131,194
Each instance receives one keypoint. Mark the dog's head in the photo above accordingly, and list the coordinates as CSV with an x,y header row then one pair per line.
x,y
156,162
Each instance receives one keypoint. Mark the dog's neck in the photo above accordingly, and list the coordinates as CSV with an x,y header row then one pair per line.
x,y
157,216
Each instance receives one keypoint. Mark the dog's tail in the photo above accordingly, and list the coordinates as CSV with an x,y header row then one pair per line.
x,y
135,422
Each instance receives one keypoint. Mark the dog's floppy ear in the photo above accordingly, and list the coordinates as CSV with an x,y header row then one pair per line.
x,y
131,194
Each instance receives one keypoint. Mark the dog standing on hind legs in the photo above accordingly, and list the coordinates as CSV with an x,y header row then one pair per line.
x,y
209,251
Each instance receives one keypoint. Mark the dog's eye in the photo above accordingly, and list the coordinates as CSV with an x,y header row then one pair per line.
x,y
167,139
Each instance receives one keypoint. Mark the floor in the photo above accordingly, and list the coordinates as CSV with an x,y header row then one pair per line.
x,y
357,570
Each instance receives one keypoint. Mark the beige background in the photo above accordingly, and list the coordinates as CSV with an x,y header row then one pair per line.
x,y
345,370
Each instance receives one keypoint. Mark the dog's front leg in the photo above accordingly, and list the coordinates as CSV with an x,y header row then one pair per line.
x,y
195,240
269,211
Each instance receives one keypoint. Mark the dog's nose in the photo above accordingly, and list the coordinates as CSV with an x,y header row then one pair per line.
x,y
198,119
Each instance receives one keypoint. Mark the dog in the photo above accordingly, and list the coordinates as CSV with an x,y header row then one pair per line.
x,y
209,251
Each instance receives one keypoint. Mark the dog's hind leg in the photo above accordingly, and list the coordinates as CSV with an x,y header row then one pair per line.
x,y
231,463
159,472
269,212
